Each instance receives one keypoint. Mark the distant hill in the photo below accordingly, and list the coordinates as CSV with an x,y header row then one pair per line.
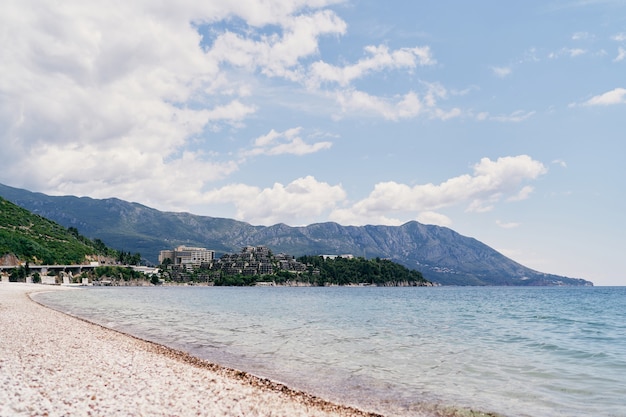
x,y
26,237
441,254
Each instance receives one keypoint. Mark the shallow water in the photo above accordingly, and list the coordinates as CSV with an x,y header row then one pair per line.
x,y
515,351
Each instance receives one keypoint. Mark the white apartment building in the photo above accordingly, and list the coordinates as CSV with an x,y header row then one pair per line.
x,y
188,256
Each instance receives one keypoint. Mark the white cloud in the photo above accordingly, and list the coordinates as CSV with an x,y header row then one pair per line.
x,y
233,111
502,72
483,205
347,216
127,93
621,54
116,100
482,116
379,58
399,107
306,200
507,225
578,36
104,173
446,114
515,117
523,194
402,107
481,190
432,217
569,52
574,52
287,142
394,108
278,55
616,96
619,37
296,203
560,162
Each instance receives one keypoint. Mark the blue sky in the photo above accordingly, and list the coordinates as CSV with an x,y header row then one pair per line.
x,y
500,120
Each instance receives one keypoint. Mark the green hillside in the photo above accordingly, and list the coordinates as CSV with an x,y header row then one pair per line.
x,y
37,240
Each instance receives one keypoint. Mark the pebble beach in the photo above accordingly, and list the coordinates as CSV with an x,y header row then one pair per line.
x,y
52,364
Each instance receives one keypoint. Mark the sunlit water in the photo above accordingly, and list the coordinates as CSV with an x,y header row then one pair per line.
x,y
514,351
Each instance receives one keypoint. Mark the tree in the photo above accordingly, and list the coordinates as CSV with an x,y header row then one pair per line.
x,y
18,274
344,271
100,246
135,259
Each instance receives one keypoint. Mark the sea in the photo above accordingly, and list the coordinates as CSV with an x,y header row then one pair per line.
x,y
511,351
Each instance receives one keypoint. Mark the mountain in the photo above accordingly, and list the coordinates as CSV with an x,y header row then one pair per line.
x,y
441,254
27,237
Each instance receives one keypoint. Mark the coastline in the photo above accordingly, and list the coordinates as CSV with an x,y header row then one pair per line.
x,y
53,364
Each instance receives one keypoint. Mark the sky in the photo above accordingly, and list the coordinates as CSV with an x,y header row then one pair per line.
x,y
499,120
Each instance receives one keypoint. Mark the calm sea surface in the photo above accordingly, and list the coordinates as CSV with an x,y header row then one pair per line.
x,y
515,351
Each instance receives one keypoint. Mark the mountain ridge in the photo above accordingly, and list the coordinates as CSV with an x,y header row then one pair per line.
x,y
440,253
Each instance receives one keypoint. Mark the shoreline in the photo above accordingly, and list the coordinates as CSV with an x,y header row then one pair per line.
x,y
54,364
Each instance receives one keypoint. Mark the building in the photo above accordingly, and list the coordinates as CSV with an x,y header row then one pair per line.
x,y
189,257
345,256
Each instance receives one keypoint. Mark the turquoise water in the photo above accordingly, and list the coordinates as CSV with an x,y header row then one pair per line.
x,y
515,351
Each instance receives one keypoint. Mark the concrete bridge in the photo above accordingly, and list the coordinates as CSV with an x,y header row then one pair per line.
x,y
74,269
44,269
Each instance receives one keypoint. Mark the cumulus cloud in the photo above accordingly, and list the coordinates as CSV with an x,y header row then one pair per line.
x,y
338,82
398,107
481,116
278,55
127,93
574,52
432,217
507,225
287,142
348,216
523,194
502,71
90,93
483,205
379,58
567,52
619,37
578,36
621,54
488,184
616,96
307,200
295,203
118,99
515,117
401,107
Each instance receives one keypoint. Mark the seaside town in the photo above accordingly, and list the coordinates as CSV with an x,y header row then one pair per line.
x,y
251,261
253,265
181,264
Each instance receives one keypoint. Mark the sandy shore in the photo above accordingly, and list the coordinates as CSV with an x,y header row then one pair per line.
x,y
55,365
